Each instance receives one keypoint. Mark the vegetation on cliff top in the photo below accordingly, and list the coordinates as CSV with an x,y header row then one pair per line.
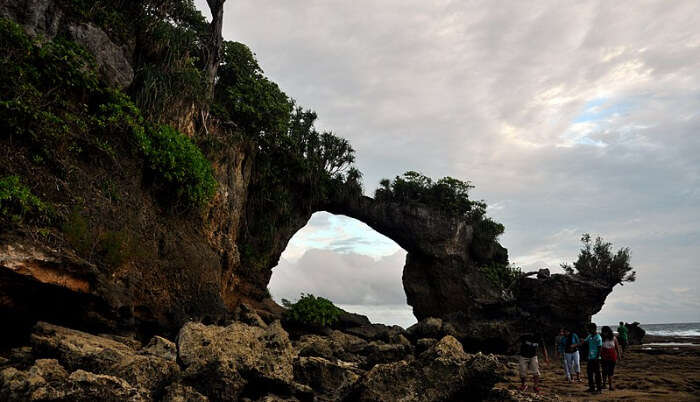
x,y
596,261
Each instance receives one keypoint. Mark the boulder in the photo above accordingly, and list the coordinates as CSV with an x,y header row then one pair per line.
x,y
221,361
325,377
245,314
336,346
377,353
161,347
47,380
443,372
182,393
430,327
79,350
93,387
636,333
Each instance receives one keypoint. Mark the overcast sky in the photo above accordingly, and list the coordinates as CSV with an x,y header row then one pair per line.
x,y
569,117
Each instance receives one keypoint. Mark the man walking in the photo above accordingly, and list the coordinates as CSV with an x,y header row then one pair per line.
x,y
594,342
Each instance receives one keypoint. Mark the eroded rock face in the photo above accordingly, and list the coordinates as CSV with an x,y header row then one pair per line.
x,y
78,350
221,361
443,372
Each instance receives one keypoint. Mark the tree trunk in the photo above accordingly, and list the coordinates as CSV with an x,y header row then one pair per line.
x,y
214,44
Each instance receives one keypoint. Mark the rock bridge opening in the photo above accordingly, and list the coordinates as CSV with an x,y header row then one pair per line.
x,y
344,260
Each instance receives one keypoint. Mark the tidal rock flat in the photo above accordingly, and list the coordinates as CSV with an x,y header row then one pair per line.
x,y
668,373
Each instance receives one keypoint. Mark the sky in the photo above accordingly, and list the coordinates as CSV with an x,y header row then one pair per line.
x,y
568,117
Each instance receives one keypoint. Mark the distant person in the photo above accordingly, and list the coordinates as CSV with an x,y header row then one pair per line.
x,y
559,346
623,335
594,342
528,361
610,353
571,356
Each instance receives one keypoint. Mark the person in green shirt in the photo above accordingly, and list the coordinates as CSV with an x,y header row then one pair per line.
x,y
594,342
622,334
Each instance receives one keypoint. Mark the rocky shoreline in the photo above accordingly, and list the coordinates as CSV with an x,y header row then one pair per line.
x,y
248,360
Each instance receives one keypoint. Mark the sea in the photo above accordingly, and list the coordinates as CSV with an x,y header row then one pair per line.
x,y
689,329
683,329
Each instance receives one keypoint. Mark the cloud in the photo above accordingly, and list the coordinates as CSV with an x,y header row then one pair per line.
x,y
345,278
570,117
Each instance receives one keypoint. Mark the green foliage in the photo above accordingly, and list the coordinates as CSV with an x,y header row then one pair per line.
x,y
179,163
45,101
502,276
311,310
115,247
245,96
58,106
448,194
596,261
17,202
75,229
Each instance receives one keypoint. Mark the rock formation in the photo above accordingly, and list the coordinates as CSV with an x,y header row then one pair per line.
x,y
239,362
199,266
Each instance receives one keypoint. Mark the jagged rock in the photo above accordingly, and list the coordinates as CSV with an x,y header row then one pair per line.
x,y
161,347
182,393
443,372
337,345
245,314
636,333
220,361
326,377
423,344
92,387
430,327
47,380
80,350
384,353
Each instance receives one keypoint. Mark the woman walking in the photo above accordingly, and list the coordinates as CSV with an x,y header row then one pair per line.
x,y
609,354
571,356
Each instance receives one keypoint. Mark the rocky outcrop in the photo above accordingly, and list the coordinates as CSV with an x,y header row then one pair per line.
x,y
222,361
636,333
240,362
443,372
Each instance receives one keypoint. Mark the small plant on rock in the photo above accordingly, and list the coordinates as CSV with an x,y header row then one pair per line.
x,y
311,310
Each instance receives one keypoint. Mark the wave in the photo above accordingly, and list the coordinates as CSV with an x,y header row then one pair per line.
x,y
670,332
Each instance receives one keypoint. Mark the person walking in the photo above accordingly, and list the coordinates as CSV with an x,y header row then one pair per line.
x,y
571,355
559,346
594,342
623,335
528,361
609,354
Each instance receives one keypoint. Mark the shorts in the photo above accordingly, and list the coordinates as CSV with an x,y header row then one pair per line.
x,y
608,367
529,365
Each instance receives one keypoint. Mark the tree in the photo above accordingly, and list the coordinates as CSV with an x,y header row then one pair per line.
x,y
214,45
246,97
596,261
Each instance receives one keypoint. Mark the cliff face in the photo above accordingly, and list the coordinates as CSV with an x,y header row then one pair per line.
x,y
122,261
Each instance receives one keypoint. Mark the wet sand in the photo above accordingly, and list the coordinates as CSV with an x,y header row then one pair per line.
x,y
669,373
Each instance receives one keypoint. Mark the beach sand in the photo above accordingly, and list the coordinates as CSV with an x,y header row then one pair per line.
x,y
669,373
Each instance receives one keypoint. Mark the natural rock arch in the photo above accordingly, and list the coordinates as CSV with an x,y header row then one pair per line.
x,y
442,277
